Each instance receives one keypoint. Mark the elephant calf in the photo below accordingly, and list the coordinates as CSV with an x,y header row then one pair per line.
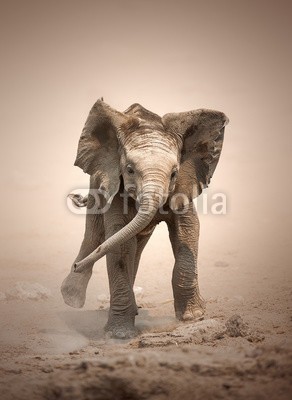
x,y
155,166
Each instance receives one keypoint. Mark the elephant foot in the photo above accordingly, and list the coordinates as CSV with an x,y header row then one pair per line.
x,y
190,311
191,314
119,328
74,288
121,332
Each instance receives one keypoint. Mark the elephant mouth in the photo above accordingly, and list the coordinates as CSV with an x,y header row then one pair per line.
x,y
131,191
132,195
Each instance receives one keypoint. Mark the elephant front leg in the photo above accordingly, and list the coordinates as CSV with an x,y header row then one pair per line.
x,y
75,284
120,266
184,236
123,309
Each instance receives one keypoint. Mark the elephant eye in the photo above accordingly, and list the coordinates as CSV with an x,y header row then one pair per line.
x,y
173,175
130,169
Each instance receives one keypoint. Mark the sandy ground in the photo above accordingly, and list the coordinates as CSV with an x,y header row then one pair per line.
x,y
242,349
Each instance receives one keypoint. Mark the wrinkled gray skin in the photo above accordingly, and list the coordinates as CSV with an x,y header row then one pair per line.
x,y
156,160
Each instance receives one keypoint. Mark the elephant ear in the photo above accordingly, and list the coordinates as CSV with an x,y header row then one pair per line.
x,y
202,133
97,153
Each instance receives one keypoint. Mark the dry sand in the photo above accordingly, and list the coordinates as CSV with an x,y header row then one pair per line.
x,y
241,350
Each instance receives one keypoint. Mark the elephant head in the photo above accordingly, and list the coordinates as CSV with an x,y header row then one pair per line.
x,y
168,159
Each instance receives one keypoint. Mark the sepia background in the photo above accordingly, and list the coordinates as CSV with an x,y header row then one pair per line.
x,y
58,57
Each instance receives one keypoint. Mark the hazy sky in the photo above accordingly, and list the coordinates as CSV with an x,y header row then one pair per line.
x,y
58,57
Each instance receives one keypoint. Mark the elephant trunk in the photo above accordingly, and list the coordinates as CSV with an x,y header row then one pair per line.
x,y
151,200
